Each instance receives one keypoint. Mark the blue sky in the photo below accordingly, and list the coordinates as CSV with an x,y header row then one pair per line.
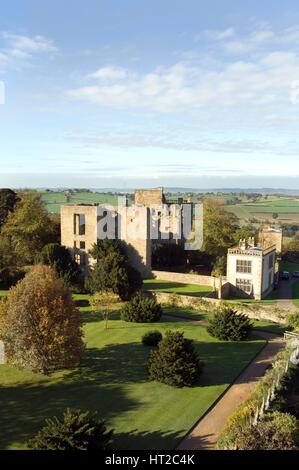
x,y
147,93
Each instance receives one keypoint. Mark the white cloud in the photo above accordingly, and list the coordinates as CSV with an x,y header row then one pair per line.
x,y
19,49
34,44
185,86
110,72
215,35
263,36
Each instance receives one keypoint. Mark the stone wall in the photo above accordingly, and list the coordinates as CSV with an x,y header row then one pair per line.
x,y
2,353
206,304
184,278
149,197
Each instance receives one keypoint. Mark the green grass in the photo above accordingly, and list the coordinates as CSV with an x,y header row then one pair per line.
x,y
284,207
3,293
288,266
177,288
271,299
192,314
113,380
269,327
54,200
296,293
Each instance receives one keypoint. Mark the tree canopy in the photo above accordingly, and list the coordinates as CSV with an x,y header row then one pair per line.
x,y
8,199
29,228
112,270
219,229
39,323
60,258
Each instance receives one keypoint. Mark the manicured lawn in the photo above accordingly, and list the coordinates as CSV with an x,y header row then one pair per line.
x,y
296,293
288,266
113,380
269,327
192,314
271,299
176,288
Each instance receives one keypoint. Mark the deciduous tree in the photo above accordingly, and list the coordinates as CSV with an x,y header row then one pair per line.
x,y
39,323
28,228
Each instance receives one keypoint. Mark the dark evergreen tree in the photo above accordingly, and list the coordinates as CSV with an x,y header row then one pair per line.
x,y
152,338
77,430
167,255
226,324
60,259
112,270
142,310
175,362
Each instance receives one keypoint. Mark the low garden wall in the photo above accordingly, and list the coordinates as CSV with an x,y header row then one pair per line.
x,y
184,278
206,304
2,355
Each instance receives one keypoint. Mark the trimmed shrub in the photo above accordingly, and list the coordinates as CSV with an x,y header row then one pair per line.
x,y
175,362
228,325
142,310
293,321
77,430
152,338
276,431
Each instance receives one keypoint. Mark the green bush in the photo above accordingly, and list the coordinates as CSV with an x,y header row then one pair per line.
x,y
175,362
226,324
77,430
142,310
152,338
276,431
293,321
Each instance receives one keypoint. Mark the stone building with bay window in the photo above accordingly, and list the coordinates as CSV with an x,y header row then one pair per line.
x,y
251,270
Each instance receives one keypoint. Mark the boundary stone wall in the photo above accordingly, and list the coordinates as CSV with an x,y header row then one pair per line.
x,y
184,278
255,312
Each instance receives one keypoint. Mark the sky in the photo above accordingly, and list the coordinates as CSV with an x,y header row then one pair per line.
x,y
124,94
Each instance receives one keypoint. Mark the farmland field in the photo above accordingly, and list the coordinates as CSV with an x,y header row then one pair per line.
x,y
287,209
53,200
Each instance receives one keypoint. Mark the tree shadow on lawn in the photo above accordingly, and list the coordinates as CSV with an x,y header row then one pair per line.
x,y
162,285
185,314
99,384
25,407
147,440
223,362
173,288
91,316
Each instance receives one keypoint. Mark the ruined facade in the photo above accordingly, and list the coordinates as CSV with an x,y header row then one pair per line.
x,y
149,220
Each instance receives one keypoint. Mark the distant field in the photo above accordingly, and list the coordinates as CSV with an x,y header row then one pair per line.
x,y
53,201
287,209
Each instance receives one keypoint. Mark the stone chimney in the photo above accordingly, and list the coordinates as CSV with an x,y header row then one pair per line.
x,y
242,244
251,242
